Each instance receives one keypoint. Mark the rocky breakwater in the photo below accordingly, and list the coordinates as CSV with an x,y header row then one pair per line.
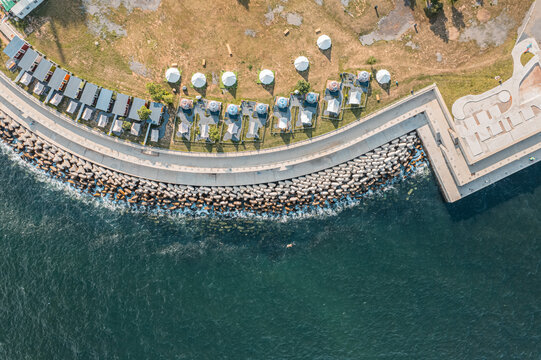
x,y
352,179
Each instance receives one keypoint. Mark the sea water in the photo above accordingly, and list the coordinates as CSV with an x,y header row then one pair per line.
x,y
398,275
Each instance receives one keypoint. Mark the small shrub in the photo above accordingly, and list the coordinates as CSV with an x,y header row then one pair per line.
x,y
126,125
303,86
371,60
214,134
158,93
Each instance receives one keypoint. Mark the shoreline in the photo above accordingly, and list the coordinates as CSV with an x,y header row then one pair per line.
x,y
324,189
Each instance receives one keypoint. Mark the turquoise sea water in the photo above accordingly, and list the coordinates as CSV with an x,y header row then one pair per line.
x,y
397,277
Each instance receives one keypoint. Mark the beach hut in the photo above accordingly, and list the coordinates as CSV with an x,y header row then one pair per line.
x,y
156,112
363,76
383,77
122,105
333,86
172,75
73,87
282,102
232,110
229,79
199,80
302,63
266,77
324,42
214,106
261,109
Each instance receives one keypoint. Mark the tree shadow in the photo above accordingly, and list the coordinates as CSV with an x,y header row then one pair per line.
x,y
437,25
269,88
327,53
244,3
201,91
410,3
304,74
232,91
458,18
57,42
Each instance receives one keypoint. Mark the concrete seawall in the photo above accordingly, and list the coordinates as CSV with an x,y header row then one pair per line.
x,y
351,179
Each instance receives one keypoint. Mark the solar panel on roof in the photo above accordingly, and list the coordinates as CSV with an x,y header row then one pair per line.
x,y
121,103
89,93
13,47
28,60
73,87
136,105
104,100
57,79
42,69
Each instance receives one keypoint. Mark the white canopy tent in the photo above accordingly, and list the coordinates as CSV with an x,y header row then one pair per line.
x,y
332,106
172,75
355,98
324,42
26,79
117,127
229,78
103,121
72,107
306,118
266,77
199,80
302,63
56,99
87,114
383,76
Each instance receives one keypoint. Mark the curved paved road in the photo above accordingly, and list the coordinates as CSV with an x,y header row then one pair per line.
x,y
225,169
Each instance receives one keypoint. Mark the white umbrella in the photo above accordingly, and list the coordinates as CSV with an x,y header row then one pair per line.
x,y
229,78
324,42
383,77
302,63
266,77
172,75
199,80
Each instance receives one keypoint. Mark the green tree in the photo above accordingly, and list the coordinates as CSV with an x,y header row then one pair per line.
x,y
303,86
214,134
144,113
158,93
168,99
433,7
